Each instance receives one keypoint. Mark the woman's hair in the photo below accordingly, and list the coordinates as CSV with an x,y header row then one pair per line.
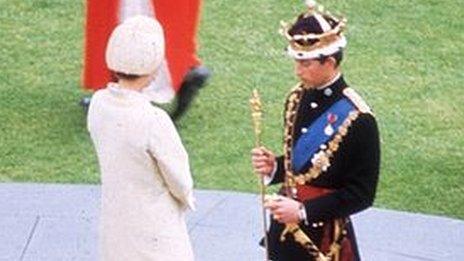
x,y
125,76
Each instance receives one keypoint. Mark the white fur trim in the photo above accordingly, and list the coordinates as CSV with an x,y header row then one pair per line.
x,y
325,51
131,8
323,23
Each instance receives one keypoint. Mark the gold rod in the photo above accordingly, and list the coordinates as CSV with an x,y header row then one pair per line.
x,y
256,114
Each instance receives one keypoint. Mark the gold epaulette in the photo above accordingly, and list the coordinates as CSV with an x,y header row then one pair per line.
x,y
295,88
357,100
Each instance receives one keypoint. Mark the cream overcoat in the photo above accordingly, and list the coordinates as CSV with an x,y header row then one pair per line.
x,y
145,176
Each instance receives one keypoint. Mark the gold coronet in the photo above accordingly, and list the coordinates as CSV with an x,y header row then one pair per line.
x,y
322,40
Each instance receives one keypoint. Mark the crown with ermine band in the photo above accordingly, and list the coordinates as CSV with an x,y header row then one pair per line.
x,y
314,33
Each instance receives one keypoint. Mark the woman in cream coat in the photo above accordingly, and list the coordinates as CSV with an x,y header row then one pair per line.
x,y
145,175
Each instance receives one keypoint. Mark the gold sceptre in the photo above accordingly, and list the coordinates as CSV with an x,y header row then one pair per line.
x,y
256,115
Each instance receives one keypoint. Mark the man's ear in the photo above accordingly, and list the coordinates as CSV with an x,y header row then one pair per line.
x,y
332,62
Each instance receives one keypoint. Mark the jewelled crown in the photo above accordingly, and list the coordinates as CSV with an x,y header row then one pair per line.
x,y
314,33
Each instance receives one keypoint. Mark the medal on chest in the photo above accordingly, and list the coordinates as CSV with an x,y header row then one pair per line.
x,y
329,128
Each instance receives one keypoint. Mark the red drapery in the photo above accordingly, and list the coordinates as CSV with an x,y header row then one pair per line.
x,y
101,18
179,19
180,22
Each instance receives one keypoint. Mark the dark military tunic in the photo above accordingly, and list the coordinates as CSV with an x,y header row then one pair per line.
x,y
353,175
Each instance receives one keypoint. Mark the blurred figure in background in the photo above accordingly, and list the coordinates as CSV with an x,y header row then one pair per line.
x,y
181,74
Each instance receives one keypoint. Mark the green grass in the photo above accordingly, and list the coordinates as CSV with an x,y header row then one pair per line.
x,y
404,57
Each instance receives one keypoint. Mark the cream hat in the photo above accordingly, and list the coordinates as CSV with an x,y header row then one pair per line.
x,y
136,46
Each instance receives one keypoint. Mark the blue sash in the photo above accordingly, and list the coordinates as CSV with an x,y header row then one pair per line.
x,y
318,133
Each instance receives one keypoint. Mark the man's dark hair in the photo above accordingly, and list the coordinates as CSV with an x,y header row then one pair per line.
x,y
338,56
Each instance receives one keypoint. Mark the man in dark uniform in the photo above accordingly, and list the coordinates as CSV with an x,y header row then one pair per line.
x,y
330,164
